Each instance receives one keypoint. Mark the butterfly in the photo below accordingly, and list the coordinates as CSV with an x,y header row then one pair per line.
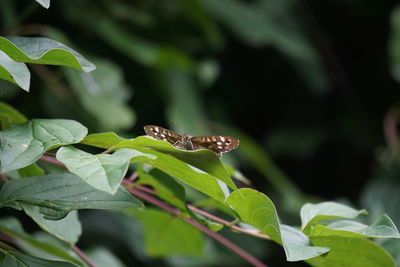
x,y
218,144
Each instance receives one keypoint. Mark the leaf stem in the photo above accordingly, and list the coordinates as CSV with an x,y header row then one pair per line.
x,y
228,224
83,256
4,178
156,202
51,160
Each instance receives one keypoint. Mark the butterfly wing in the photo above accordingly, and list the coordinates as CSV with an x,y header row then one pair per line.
x,y
217,144
161,133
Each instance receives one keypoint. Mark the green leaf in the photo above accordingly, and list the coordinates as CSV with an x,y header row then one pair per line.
x,y
297,245
41,50
257,209
102,257
44,3
199,169
13,228
312,213
103,171
204,159
13,259
15,72
67,229
165,186
355,252
30,170
13,115
58,194
167,235
383,228
24,144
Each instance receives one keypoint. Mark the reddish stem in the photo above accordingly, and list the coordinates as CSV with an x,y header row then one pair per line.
x,y
156,202
211,216
83,256
4,178
52,160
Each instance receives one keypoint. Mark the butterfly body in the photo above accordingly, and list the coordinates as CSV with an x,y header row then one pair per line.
x,y
217,144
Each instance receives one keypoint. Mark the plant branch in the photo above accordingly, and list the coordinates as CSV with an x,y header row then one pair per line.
x,y
139,191
51,160
156,202
83,256
4,178
210,216
8,247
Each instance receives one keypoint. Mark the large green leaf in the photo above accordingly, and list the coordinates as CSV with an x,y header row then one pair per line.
x,y
58,194
355,252
103,171
188,166
312,213
383,228
13,228
13,259
167,235
257,209
298,246
23,144
15,72
67,229
41,50
204,159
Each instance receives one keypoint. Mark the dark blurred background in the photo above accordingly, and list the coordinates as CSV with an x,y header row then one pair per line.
x,y
305,85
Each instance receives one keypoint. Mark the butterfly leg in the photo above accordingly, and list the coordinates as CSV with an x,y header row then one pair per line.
x,y
179,144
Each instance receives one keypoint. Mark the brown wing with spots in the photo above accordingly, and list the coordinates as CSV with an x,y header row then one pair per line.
x,y
217,144
161,133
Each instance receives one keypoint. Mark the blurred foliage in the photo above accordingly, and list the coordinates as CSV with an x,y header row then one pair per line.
x,y
305,84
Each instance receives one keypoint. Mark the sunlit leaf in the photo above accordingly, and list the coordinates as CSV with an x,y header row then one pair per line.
x,y
103,171
41,50
23,144
200,169
312,213
15,72
256,209
355,252
383,228
298,246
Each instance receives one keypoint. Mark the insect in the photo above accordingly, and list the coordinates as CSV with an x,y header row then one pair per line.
x,y
218,144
